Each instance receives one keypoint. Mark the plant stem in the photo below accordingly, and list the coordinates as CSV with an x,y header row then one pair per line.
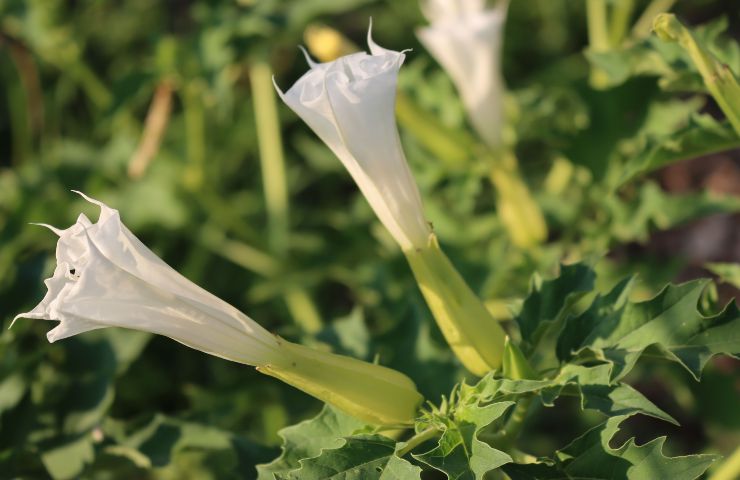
x,y
504,439
598,31
417,440
620,21
718,78
272,160
729,469
195,130
598,37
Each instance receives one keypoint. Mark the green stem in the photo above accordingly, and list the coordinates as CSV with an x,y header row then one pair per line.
x,y
93,86
449,147
195,134
729,469
620,21
303,309
505,438
598,31
717,76
272,160
417,440
237,252
598,37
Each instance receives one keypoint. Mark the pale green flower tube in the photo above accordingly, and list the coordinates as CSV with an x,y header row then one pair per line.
x,y
469,328
105,277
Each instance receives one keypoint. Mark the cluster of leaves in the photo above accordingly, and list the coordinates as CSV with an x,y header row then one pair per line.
x,y
79,80
584,351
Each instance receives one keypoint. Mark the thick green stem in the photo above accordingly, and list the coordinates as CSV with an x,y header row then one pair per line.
x,y
717,76
620,21
195,143
417,440
272,160
275,185
471,331
449,147
598,38
505,438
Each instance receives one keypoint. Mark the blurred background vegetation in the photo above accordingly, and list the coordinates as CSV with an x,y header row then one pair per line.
x,y
165,111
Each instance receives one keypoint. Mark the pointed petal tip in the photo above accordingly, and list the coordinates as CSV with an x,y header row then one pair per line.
x,y
308,58
89,199
12,322
56,230
370,42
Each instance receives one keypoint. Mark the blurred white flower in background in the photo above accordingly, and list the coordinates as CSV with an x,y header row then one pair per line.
x,y
350,104
466,39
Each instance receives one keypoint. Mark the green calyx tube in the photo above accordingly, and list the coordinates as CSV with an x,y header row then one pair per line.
x,y
473,334
370,392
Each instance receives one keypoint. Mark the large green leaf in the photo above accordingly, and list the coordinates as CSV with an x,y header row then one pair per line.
x,y
370,457
590,456
550,301
671,322
307,439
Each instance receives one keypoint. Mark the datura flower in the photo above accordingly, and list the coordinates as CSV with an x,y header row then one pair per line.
x,y
466,39
105,277
349,103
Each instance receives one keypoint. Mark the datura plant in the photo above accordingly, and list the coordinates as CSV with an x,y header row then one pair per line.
x,y
350,104
527,348
105,277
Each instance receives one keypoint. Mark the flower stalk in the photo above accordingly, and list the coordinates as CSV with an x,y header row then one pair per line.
x,y
717,76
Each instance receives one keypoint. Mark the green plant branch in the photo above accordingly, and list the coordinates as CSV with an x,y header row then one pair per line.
x,y
272,160
505,438
598,37
418,439
620,21
718,78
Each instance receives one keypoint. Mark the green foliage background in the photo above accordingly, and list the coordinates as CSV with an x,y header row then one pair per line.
x,y
78,79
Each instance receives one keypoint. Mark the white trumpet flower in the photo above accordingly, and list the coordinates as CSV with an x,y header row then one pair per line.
x,y
350,104
466,39
105,277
